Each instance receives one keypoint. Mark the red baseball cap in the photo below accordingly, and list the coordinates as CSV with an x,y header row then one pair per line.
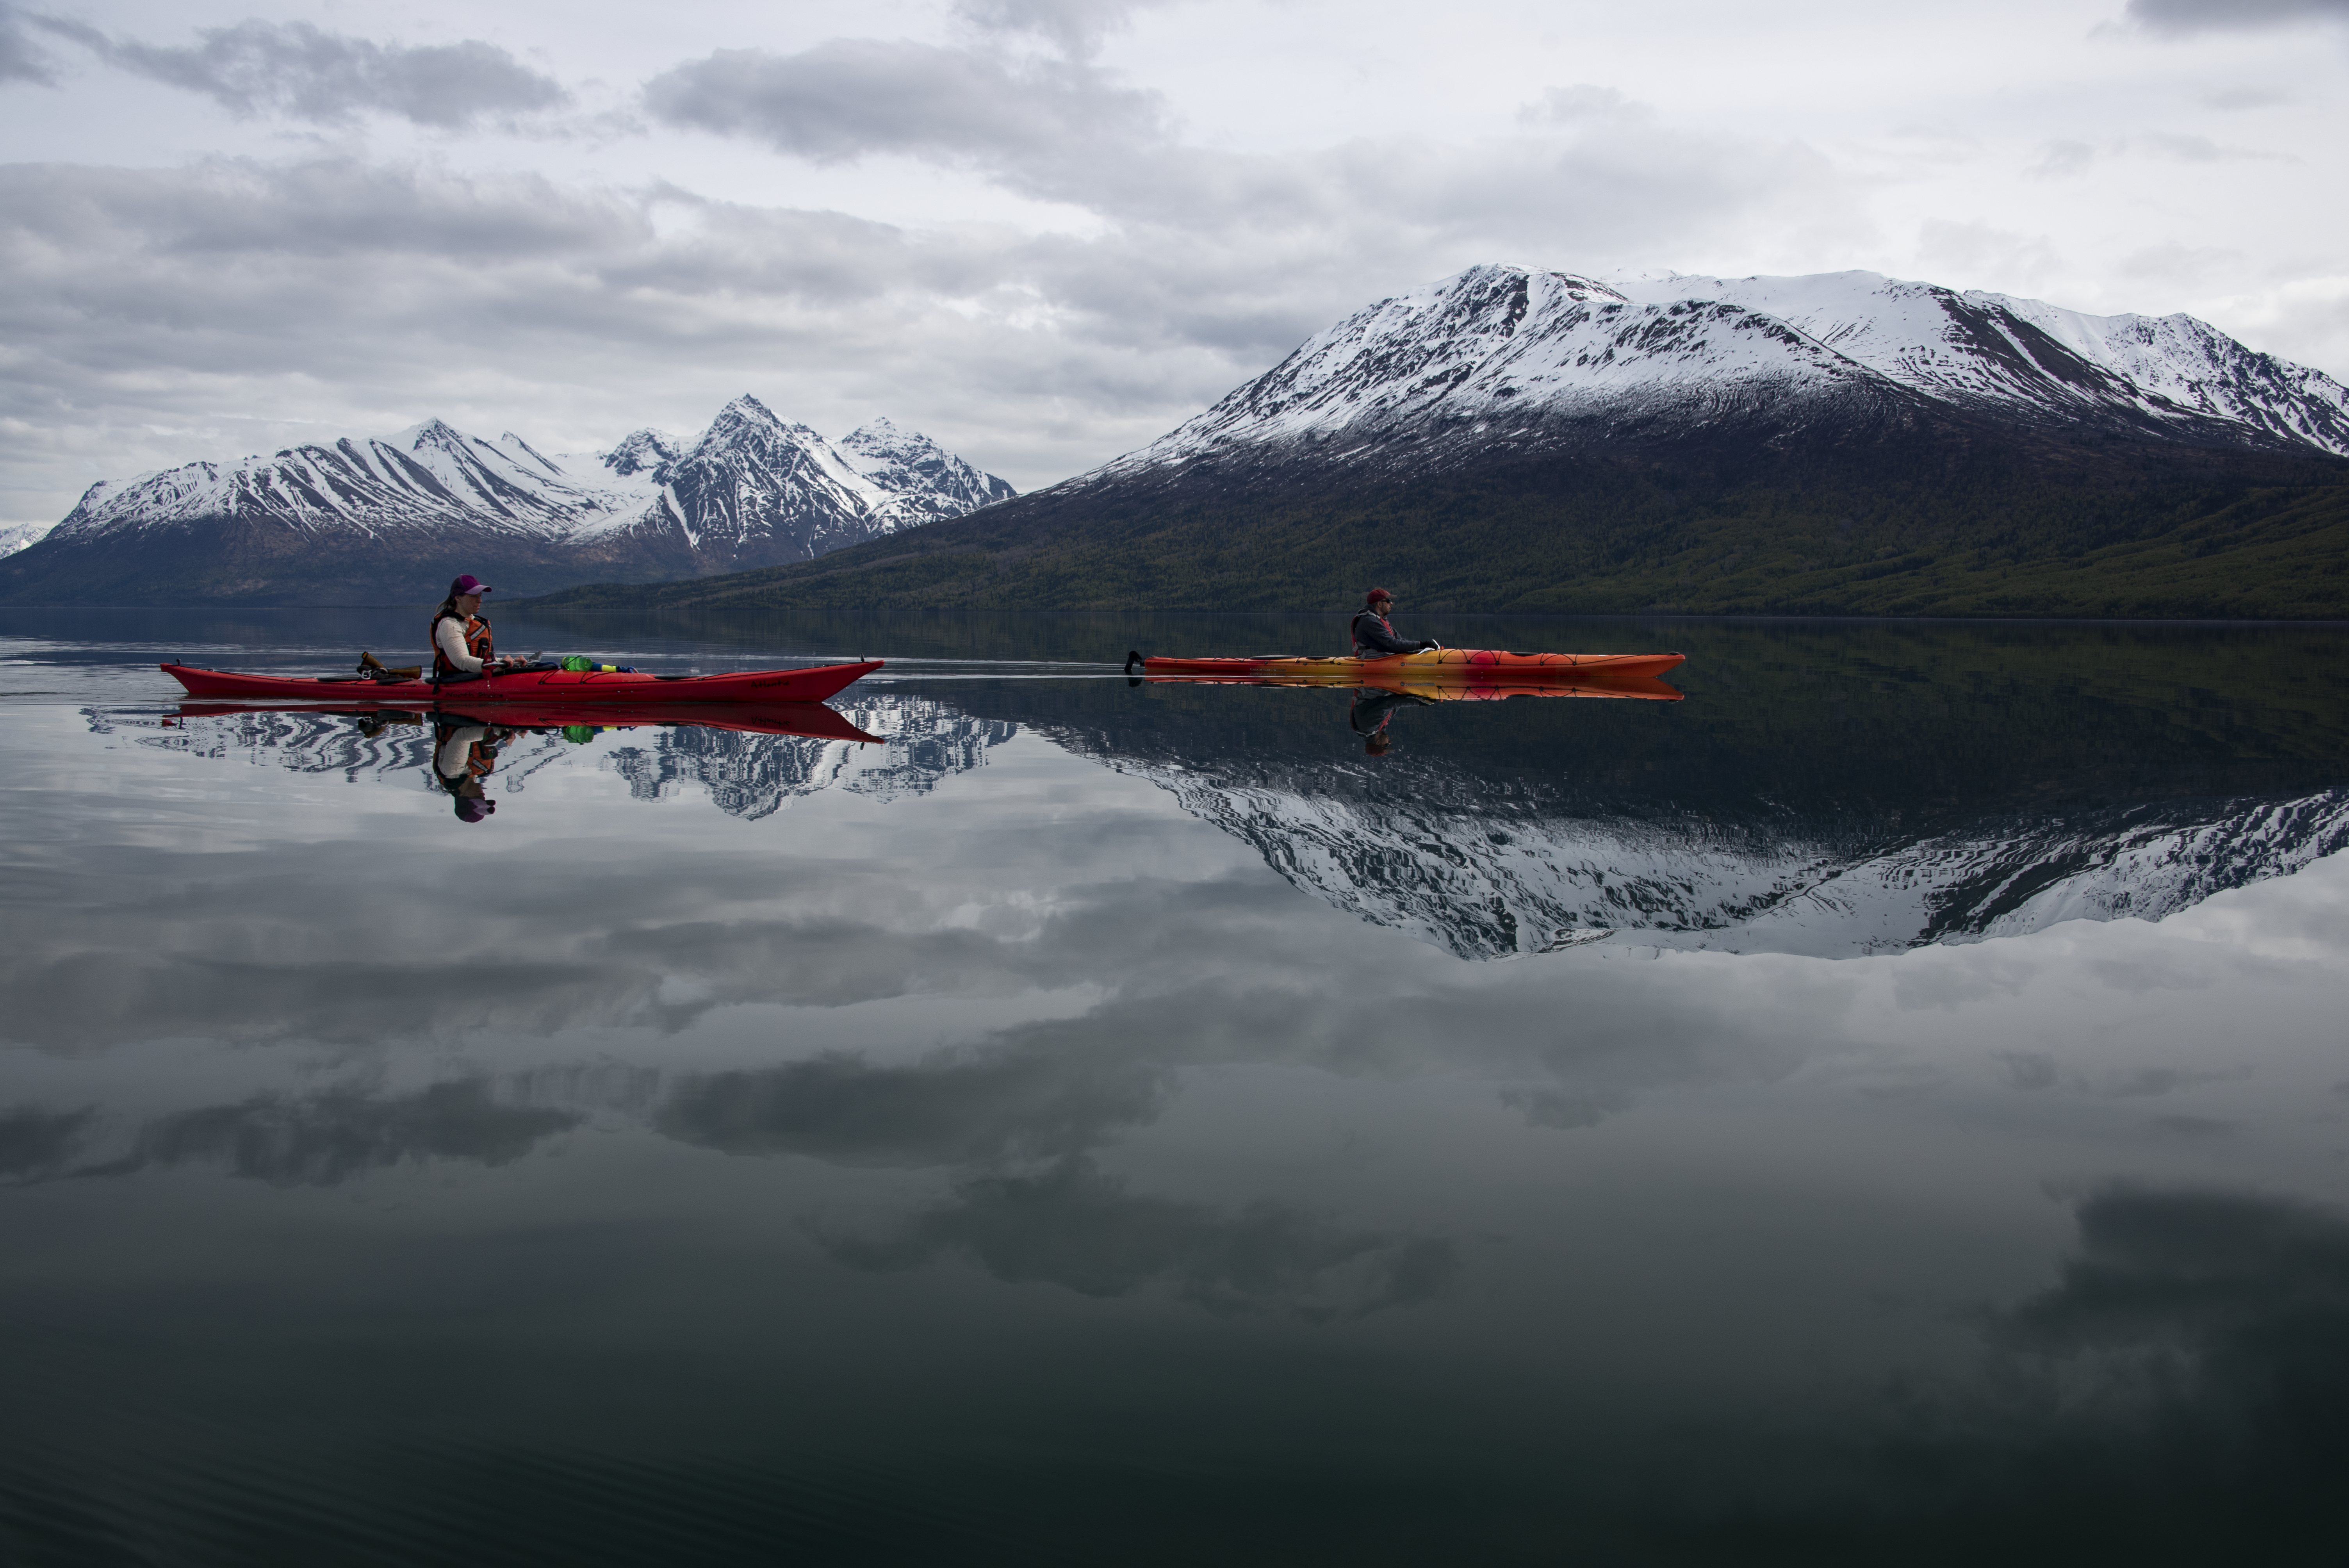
x,y
469,583
1372,597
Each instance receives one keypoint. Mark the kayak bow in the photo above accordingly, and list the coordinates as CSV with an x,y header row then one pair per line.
x,y
546,688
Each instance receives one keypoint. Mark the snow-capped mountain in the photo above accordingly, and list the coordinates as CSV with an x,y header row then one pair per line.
x,y
12,539
756,491
1502,354
923,481
391,517
428,479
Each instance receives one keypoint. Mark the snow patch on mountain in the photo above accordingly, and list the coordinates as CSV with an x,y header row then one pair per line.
x,y
16,538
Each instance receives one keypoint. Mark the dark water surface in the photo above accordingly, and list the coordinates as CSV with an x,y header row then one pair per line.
x,y
1891,1106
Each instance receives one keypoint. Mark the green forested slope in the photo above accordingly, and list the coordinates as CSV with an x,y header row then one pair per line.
x,y
2062,532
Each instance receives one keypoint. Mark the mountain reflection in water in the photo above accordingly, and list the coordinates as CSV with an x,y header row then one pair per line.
x,y
1818,803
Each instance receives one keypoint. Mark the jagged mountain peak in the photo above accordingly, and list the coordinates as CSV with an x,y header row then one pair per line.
x,y
514,443
925,482
641,452
742,414
434,431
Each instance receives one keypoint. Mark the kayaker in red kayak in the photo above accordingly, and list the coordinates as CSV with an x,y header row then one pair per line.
x,y
1373,638
460,636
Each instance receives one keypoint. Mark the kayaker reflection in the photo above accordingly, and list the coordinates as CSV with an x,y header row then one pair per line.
x,y
1373,707
1374,637
465,752
461,649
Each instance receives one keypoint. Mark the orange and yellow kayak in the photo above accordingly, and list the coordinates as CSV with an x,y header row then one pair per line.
x,y
1441,667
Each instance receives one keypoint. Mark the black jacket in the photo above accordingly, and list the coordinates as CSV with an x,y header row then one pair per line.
x,y
1373,638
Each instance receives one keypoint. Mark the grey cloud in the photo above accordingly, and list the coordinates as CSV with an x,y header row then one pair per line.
x,y
304,72
1077,26
331,209
1073,1226
2232,98
2250,1290
1563,1108
32,1141
849,97
2060,160
20,59
2181,17
2027,1070
2176,1395
326,1138
2202,149
2154,1082
1978,248
1580,103
961,1107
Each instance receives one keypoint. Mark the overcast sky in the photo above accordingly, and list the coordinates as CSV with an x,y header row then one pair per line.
x,y
1046,230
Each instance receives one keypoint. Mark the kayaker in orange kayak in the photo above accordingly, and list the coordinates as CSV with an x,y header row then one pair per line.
x,y
460,636
1373,638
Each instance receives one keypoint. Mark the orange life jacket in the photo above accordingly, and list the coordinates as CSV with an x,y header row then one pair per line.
x,y
481,757
476,642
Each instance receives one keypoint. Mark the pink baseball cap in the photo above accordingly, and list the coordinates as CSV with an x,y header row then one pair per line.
x,y
469,583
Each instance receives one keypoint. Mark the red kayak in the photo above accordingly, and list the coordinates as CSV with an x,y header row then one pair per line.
x,y
810,720
1446,664
546,688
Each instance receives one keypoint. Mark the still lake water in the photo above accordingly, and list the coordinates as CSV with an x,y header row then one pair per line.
x,y
1890,1105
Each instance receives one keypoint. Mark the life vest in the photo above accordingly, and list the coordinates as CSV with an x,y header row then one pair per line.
x,y
480,759
476,642
1354,629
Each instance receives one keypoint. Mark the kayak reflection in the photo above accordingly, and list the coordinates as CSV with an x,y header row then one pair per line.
x,y
1378,695
813,720
465,750
751,760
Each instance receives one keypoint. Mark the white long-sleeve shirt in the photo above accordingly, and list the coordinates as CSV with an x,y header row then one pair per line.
x,y
448,637
456,751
